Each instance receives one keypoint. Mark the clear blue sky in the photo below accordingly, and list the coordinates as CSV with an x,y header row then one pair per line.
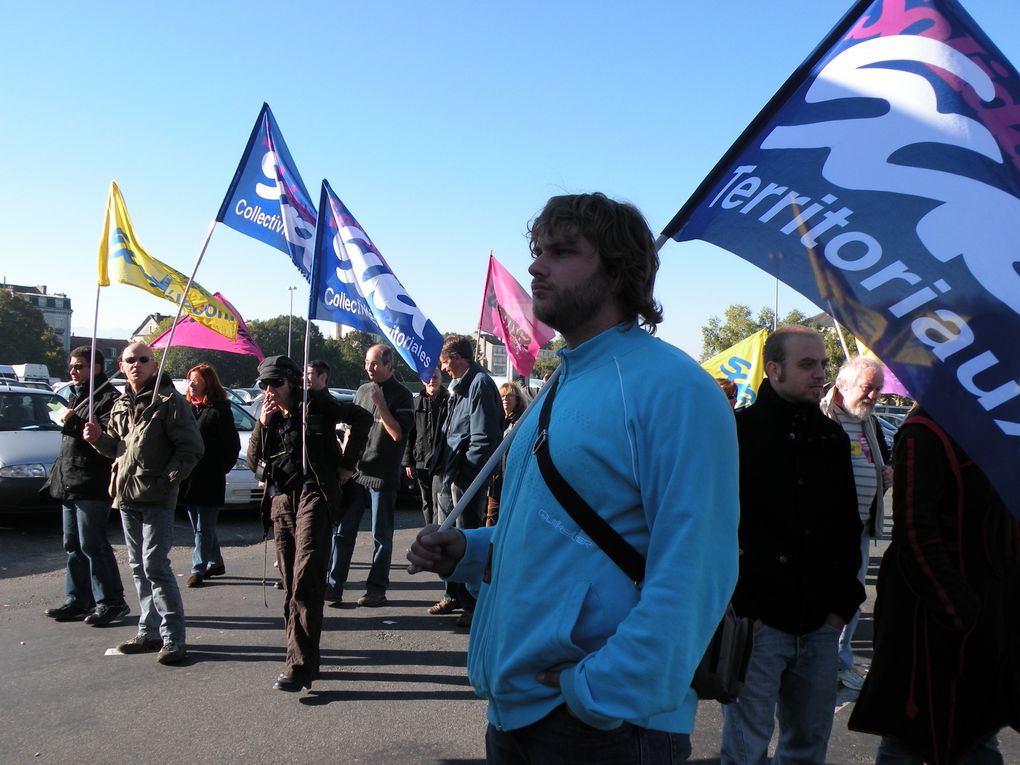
x,y
444,127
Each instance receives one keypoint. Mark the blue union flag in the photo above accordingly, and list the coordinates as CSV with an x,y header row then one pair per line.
x,y
883,183
267,199
353,285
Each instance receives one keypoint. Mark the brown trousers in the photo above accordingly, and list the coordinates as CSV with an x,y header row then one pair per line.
x,y
302,552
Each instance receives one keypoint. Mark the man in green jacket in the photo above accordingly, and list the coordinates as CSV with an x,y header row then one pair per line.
x,y
155,442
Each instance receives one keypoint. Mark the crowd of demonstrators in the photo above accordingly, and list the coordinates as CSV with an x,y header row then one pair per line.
x,y
376,479
294,448
945,675
579,663
430,407
153,438
203,491
471,433
515,401
730,389
80,480
851,403
799,556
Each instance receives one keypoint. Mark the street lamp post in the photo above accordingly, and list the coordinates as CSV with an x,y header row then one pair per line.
x,y
290,320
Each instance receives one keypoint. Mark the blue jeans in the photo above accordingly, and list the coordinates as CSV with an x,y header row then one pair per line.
x,y
149,535
207,545
383,503
792,677
846,651
562,739
92,575
891,751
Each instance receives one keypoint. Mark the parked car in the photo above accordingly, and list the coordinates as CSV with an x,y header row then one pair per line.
x,y
29,442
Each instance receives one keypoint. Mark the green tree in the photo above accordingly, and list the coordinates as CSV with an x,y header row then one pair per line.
x,y
544,365
738,324
25,337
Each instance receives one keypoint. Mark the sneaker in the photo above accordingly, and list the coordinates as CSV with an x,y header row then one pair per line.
x,y
444,606
104,614
140,644
195,580
68,612
219,570
171,653
372,599
850,678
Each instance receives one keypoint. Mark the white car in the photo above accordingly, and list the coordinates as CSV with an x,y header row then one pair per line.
x,y
29,442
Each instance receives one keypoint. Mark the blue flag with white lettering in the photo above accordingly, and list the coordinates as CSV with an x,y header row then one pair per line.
x,y
267,199
883,183
353,285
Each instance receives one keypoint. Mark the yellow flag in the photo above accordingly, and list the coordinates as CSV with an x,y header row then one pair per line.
x,y
743,364
123,259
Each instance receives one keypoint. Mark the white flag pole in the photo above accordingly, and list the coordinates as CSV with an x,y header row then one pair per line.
x,y
180,309
92,363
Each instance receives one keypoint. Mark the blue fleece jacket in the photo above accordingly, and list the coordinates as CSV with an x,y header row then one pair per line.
x,y
647,438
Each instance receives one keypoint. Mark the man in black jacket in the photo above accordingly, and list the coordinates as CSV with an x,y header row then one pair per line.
x,y
429,414
799,555
302,493
80,479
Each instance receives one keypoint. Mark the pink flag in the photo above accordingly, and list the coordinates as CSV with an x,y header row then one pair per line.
x,y
191,334
506,313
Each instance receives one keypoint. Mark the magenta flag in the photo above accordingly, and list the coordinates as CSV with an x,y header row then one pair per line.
x,y
191,334
507,314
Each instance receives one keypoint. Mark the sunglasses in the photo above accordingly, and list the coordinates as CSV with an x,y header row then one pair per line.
x,y
76,366
139,359
264,384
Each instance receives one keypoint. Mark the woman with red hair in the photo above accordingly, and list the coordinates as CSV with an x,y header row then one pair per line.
x,y
204,490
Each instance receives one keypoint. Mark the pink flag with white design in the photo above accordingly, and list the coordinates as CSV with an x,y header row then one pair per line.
x,y
507,314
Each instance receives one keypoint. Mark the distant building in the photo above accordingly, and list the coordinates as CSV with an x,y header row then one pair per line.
x,y
147,327
55,307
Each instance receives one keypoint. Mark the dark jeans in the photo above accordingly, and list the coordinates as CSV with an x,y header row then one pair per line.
x,y
302,549
429,486
562,739
92,574
471,518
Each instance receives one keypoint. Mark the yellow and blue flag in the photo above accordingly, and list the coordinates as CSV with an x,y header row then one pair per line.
x,y
743,365
123,259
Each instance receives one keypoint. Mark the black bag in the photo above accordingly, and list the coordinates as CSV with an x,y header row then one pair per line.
x,y
722,670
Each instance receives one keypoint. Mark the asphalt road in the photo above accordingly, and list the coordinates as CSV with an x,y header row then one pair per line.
x,y
394,686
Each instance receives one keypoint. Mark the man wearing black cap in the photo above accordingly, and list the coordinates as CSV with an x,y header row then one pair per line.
x,y
302,493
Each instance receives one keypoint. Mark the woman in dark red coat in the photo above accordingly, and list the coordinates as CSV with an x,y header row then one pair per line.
x,y
204,490
944,678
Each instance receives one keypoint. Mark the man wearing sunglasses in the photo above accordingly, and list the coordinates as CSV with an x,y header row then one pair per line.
x,y
302,496
80,478
153,438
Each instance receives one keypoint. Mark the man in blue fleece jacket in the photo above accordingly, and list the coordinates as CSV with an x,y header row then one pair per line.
x,y
578,663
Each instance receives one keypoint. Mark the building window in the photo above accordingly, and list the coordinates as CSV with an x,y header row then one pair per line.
x,y
499,360
51,303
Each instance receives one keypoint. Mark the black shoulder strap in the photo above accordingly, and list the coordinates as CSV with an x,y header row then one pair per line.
x,y
604,535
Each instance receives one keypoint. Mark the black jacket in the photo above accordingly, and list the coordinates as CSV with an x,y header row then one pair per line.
x,y
283,437
800,532
79,471
429,416
380,464
945,673
207,483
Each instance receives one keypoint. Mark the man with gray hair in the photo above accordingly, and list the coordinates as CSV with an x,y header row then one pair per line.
x,y
851,403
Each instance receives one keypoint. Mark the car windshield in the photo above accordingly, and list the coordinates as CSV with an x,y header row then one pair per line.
x,y
30,411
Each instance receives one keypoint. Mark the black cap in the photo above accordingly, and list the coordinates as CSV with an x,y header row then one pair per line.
x,y
278,368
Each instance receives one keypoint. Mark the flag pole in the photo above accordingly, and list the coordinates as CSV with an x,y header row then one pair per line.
x,y
839,334
92,363
180,309
304,397
490,467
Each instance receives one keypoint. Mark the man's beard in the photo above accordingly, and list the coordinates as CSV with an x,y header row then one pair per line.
x,y
566,309
860,410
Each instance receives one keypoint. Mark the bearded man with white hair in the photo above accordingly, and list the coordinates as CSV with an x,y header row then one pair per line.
x,y
851,403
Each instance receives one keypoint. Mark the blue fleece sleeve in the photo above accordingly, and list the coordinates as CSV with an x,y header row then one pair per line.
x,y
685,461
